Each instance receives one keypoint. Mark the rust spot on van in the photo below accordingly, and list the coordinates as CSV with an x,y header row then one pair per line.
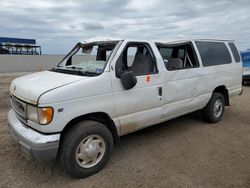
x,y
128,128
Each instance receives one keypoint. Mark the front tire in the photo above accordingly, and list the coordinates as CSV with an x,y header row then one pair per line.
x,y
214,110
86,148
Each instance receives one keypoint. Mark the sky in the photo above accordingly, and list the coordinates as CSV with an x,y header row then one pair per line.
x,y
58,25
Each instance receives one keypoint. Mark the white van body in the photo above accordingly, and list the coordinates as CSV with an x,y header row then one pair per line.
x,y
155,98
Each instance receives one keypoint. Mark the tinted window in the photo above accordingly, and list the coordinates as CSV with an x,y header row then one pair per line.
x,y
213,53
235,52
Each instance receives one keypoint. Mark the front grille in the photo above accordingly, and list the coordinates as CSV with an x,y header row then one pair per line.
x,y
19,107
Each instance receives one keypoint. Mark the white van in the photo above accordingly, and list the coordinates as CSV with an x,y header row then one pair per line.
x,y
105,89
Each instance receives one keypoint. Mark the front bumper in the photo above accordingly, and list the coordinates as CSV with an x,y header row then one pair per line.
x,y
33,144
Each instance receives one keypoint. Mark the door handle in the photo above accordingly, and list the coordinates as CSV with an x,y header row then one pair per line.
x,y
160,91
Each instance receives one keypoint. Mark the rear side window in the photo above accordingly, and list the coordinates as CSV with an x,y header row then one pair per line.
x,y
178,56
213,53
235,52
166,52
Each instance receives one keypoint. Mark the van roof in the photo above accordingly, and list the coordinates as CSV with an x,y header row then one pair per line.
x,y
103,39
207,40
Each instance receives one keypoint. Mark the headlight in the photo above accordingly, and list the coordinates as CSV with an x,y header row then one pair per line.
x,y
38,115
32,114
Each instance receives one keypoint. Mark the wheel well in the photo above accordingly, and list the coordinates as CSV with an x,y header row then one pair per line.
x,y
223,90
98,116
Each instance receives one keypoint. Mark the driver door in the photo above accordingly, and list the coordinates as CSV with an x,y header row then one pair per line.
x,y
140,106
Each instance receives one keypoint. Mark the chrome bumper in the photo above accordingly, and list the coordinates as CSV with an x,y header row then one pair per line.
x,y
33,144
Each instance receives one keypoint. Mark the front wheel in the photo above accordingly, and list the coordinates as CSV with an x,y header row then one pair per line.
x,y
214,110
86,148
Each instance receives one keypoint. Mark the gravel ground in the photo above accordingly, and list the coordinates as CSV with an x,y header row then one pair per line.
x,y
184,152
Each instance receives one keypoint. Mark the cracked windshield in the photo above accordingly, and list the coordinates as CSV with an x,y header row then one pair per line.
x,y
87,59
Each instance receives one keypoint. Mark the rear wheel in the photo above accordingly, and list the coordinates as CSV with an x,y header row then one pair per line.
x,y
214,110
86,148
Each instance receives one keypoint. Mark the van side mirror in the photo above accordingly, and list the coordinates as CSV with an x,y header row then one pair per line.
x,y
128,79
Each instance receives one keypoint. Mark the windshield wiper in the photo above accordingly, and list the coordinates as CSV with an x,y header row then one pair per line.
x,y
73,67
84,72
75,70
87,73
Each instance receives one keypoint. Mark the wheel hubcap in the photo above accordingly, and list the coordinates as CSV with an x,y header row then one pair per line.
x,y
90,151
218,107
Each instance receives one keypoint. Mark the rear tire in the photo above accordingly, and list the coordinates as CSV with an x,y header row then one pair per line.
x,y
86,148
214,110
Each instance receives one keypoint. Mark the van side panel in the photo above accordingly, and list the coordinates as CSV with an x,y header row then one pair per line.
x,y
184,92
228,75
187,90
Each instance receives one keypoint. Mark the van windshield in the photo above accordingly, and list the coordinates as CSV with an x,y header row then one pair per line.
x,y
88,59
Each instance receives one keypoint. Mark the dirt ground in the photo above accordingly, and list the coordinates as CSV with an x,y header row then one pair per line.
x,y
184,152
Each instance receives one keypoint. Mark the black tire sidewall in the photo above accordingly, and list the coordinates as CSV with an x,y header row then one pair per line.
x,y
72,139
208,111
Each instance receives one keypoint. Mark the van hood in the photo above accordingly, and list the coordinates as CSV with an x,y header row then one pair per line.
x,y
29,88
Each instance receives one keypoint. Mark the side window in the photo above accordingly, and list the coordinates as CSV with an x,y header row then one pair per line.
x,y
166,52
213,53
235,52
181,53
131,55
179,56
136,57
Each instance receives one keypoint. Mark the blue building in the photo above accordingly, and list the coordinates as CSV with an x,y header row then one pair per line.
x,y
19,46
